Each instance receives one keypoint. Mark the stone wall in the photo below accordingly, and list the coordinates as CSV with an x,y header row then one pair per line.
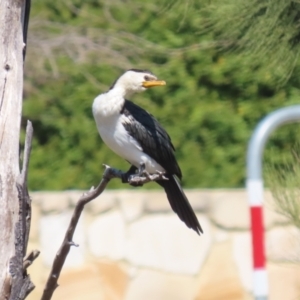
x,y
133,247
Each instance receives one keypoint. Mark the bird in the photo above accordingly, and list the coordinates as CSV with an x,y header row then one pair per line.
x,y
135,135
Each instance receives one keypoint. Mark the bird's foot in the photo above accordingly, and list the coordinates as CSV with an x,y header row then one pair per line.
x,y
136,179
125,176
130,175
154,176
138,176
139,179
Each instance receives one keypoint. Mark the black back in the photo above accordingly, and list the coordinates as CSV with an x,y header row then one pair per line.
x,y
152,137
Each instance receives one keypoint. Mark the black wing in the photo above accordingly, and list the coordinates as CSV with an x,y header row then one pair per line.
x,y
153,139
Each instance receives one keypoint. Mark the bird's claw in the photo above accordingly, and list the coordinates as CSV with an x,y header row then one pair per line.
x,y
144,176
135,180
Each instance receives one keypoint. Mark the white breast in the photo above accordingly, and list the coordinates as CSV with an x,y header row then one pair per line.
x,y
109,123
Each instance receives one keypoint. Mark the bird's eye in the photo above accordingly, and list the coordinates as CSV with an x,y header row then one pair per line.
x,y
147,78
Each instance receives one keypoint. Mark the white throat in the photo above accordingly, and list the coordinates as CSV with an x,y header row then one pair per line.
x,y
109,103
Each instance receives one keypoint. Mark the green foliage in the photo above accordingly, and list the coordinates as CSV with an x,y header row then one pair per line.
x,y
267,31
210,106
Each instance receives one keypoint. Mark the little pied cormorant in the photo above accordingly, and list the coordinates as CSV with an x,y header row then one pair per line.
x,y
134,134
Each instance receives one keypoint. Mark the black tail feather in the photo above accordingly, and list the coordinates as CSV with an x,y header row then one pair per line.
x,y
180,203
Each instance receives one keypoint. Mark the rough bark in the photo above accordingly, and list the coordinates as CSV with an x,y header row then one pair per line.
x,y
11,88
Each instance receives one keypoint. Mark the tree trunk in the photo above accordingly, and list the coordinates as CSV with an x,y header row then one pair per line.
x,y
11,88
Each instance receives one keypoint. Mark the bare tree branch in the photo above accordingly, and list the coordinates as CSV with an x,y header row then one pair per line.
x,y
25,22
62,253
22,182
21,283
11,90
28,260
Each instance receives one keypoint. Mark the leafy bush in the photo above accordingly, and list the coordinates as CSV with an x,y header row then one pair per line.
x,y
210,106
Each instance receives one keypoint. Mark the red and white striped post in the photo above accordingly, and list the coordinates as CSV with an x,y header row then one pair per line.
x,y
260,280
255,188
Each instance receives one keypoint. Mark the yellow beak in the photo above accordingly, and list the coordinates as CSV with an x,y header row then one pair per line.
x,y
149,84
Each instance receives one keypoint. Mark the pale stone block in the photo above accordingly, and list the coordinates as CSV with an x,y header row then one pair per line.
x,y
271,215
106,235
59,201
103,203
139,194
283,244
132,205
156,201
52,231
242,256
35,221
38,273
230,210
151,284
73,196
114,278
99,280
221,235
199,199
219,278
283,281
51,201
164,242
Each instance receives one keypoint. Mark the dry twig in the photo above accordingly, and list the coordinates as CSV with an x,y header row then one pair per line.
x,y
28,260
21,283
62,253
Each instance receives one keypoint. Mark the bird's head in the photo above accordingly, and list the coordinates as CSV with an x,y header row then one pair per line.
x,y
135,81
